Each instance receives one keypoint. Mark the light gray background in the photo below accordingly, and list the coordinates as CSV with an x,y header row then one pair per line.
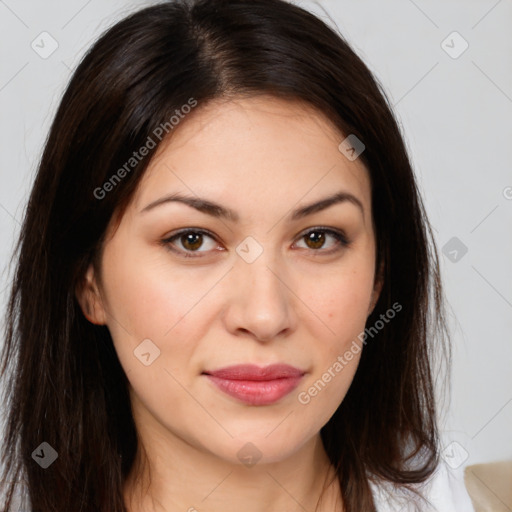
x,y
456,117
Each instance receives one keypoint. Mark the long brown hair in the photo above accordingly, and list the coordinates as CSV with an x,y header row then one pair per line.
x,y
64,384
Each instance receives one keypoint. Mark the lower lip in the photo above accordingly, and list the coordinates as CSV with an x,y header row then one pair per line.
x,y
257,392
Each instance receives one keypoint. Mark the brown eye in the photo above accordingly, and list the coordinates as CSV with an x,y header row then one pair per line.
x,y
317,238
190,240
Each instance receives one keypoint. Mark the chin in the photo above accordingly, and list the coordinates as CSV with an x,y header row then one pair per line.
x,y
261,448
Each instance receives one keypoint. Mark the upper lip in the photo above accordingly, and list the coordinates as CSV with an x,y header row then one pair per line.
x,y
253,372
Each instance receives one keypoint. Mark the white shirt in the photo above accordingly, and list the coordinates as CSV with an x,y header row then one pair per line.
x,y
445,490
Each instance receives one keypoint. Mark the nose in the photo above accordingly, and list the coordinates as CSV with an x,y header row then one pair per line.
x,y
261,303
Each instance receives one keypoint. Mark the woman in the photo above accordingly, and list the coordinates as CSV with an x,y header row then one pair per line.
x,y
226,296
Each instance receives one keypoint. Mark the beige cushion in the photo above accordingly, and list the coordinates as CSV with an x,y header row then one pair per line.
x,y
490,486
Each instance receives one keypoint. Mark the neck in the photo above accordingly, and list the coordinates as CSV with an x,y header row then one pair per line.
x,y
169,475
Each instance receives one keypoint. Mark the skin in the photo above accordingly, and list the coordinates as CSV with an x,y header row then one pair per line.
x,y
296,303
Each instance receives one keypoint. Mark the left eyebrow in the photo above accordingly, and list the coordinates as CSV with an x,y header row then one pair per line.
x,y
339,197
216,210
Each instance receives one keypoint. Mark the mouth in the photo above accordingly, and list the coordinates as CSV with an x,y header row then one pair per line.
x,y
254,385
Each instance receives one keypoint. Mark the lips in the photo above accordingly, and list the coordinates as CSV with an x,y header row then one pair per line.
x,y
256,385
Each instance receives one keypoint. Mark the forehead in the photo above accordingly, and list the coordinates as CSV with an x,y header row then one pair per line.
x,y
260,148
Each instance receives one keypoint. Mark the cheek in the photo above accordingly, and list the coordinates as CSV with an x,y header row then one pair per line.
x,y
143,291
145,301
341,301
148,303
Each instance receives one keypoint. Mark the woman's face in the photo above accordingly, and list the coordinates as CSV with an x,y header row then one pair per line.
x,y
258,279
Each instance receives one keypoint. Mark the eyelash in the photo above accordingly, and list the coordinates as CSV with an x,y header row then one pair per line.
x,y
342,240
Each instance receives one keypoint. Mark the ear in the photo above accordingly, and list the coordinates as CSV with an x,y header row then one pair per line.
x,y
377,287
89,298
